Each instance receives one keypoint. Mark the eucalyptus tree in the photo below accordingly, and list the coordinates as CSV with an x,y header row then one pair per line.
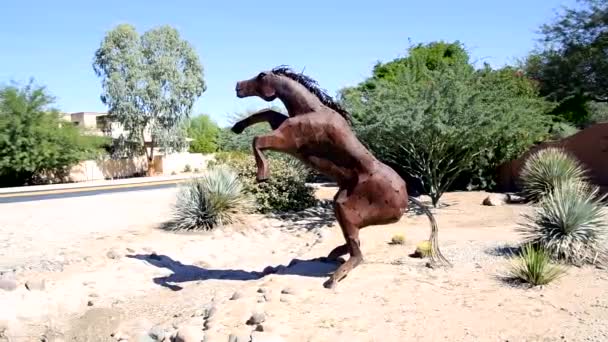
x,y
149,84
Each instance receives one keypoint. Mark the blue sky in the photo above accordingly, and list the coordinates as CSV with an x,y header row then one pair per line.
x,y
336,42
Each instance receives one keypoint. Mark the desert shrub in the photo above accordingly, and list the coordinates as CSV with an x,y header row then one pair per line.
x,y
447,124
561,130
544,169
217,198
397,240
285,190
569,224
533,266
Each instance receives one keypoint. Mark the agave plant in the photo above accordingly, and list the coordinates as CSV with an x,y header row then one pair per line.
x,y
546,168
215,199
570,224
533,266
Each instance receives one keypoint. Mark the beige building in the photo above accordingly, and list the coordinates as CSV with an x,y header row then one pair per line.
x,y
96,123
99,124
165,164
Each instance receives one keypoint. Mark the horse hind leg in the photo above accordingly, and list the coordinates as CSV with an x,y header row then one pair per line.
x,y
353,245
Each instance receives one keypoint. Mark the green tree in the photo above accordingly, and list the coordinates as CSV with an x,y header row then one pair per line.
x,y
204,132
35,140
436,124
150,83
571,65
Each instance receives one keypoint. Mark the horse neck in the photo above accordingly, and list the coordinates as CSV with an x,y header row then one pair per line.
x,y
296,98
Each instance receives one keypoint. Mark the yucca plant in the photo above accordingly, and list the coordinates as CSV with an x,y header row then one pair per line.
x,y
533,266
546,168
215,199
570,224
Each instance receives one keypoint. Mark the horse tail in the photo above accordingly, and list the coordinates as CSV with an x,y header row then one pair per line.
x,y
433,240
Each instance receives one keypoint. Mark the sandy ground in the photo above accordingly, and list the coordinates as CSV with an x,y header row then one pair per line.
x,y
99,270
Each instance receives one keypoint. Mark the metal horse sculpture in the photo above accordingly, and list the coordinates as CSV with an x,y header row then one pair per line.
x,y
318,132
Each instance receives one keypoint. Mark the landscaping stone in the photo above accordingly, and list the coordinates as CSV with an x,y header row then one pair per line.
x,y
495,200
189,333
7,284
35,285
256,318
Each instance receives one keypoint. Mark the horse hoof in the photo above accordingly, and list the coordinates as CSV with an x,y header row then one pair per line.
x,y
237,129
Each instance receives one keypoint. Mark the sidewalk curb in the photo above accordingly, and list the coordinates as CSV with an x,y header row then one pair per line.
x,y
95,185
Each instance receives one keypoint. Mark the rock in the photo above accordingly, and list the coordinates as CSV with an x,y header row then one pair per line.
x,y
288,290
238,338
258,336
113,254
119,336
256,318
157,333
7,284
35,285
90,303
210,312
236,295
130,250
262,290
259,327
189,334
514,199
495,200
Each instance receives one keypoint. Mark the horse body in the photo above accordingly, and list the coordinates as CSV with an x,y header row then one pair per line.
x,y
317,132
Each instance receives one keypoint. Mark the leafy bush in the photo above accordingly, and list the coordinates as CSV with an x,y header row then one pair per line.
x,y
35,141
215,199
570,224
561,130
447,123
533,266
546,168
204,134
285,190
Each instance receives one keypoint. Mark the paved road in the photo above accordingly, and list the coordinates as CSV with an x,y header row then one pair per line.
x,y
88,191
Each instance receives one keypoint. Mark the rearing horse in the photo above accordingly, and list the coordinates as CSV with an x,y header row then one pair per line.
x,y
317,132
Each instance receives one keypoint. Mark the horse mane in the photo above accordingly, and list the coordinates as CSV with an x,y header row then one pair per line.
x,y
314,88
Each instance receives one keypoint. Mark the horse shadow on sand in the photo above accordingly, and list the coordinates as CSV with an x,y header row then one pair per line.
x,y
319,267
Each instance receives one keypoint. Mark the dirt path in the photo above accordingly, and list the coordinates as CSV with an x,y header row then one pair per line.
x,y
147,280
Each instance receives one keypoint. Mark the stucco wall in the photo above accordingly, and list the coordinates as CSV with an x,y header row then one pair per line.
x,y
90,170
176,162
589,146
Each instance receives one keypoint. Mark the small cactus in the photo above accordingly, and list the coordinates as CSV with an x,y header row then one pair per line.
x,y
423,249
397,239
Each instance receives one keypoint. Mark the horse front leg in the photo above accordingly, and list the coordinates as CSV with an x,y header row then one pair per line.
x,y
275,141
274,119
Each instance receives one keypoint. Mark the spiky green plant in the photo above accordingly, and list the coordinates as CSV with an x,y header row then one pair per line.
x,y
570,224
533,266
546,168
215,199
398,239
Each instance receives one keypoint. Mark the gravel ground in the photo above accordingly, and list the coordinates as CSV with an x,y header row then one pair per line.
x,y
47,235
109,275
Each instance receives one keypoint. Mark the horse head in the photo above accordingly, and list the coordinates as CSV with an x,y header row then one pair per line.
x,y
261,85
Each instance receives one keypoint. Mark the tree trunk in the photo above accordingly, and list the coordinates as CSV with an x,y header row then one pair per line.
x,y
151,169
